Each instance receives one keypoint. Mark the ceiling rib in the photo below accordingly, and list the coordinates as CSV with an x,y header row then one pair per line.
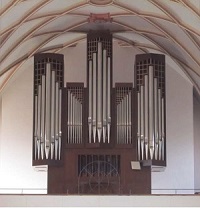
x,y
174,19
8,7
14,27
187,4
167,35
143,15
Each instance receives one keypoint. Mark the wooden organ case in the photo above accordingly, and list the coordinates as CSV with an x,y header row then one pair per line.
x,y
96,133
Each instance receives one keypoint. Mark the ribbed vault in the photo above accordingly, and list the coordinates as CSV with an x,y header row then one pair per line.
x,y
171,27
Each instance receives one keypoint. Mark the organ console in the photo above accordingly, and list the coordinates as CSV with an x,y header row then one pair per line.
x,y
89,136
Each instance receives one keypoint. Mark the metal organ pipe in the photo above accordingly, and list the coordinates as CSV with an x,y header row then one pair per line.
x,y
156,116
159,124
90,118
151,111
69,117
146,115
129,116
108,98
36,126
59,124
104,96
99,93
56,121
52,113
94,97
142,122
48,110
163,129
39,122
42,117
139,124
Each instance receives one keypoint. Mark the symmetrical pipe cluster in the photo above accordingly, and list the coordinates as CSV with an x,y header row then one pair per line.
x,y
75,111
124,115
47,112
99,77
151,116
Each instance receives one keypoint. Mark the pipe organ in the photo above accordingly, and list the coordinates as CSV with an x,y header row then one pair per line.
x,y
48,83
91,134
150,84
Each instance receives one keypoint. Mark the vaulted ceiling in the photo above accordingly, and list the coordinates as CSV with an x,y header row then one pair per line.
x,y
171,27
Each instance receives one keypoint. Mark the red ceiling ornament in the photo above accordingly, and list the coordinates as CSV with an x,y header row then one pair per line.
x,y
101,2
100,18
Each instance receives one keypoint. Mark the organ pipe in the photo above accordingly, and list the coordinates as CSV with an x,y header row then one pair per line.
x,y
151,112
99,92
108,99
104,96
156,116
146,115
139,125
90,101
159,123
94,97
142,122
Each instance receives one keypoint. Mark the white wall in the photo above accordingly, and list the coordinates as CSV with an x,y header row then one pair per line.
x,y
16,169
75,63
16,142
197,143
99,201
180,143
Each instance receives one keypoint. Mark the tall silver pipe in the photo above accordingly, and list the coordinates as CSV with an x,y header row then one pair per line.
x,y
56,121
73,119
36,126
39,122
122,118
99,93
43,117
59,121
117,123
104,95
156,116
48,110
52,113
163,130
129,117
139,124
81,111
146,115
94,97
159,124
142,122
69,117
108,98
151,112
90,101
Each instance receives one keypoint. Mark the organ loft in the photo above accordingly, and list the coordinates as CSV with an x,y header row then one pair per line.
x,y
105,138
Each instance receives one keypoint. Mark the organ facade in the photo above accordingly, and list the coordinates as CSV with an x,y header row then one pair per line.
x,y
99,139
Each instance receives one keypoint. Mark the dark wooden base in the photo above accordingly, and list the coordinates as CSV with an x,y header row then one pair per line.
x,y
66,180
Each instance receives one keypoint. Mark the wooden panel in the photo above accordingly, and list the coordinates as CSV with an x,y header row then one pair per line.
x,y
65,178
